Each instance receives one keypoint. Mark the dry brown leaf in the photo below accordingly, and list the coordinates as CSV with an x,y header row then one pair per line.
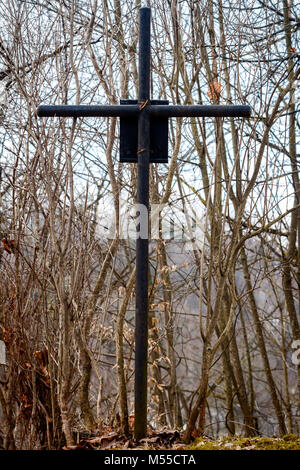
x,y
131,421
178,447
214,90
146,440
8,245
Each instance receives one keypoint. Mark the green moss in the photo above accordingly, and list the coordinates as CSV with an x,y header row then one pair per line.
x,y
288,442
291,437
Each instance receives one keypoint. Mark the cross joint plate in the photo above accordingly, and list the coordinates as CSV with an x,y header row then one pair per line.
x,y
158,136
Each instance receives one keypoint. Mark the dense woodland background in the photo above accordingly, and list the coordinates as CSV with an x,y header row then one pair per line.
x,y
224,316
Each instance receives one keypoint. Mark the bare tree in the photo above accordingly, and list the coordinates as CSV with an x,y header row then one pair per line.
x,y
223,315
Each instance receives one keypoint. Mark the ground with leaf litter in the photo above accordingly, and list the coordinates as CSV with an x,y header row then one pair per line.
x,y
173,440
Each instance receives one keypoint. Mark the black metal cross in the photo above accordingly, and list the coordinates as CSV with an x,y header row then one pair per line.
x,y
144,139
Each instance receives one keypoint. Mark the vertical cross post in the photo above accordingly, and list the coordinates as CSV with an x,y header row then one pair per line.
x,y
143,111
142,243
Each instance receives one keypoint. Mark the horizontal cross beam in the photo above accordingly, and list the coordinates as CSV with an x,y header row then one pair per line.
x,y
132,110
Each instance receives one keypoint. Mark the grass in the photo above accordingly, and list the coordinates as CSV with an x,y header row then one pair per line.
x,y
288,442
